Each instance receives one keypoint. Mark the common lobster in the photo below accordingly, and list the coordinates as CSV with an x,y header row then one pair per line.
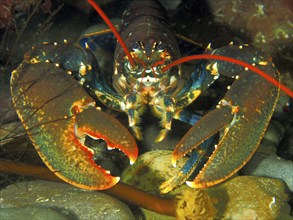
x,y
56,88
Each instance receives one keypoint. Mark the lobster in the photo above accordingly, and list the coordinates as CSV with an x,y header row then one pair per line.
x,y
57,87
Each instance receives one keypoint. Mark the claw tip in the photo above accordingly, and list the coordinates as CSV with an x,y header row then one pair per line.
x,y
116,179
158,139
132,161
190,184
165,190
173,161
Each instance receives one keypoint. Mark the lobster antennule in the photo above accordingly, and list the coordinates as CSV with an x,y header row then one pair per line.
x,y
112,27
254,69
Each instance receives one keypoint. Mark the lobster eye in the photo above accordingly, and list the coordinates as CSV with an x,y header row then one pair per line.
x,y
135,46
161,46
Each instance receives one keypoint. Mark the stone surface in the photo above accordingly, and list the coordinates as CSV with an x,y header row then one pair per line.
x,y
149,165
267,22
285,150
149,171
249,197
270,166
68,200
272,137
241,197
33,213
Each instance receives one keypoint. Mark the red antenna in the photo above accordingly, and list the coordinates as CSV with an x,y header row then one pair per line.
x,y
189,58
112,27
231,60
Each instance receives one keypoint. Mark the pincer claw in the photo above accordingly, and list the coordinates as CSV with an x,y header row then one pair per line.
x,y
243,119
57,114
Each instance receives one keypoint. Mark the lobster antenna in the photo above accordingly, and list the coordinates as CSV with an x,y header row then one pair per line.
x,y
112,27
189,58
230,60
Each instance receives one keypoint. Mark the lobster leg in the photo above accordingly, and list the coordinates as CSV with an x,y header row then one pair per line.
x,y
58,113
243,114
187,117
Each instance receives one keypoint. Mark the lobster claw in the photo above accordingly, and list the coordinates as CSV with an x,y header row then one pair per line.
x,y
57,114
243,114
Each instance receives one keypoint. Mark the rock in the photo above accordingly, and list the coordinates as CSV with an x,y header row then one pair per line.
x,y
245,197
67,199
195,204
272,137
149,171
270,166
149,165
267,23
33,213
285,150
249,197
